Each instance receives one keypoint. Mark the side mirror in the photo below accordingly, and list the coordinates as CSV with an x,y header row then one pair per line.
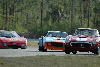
x,y
22,36
73,33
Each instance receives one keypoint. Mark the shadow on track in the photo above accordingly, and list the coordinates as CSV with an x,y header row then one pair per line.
x,y
6,48
46,51
80,54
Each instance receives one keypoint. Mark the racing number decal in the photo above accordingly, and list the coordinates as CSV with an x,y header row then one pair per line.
x,y
13,39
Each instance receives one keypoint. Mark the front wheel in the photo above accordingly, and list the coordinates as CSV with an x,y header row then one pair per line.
x,y
40,48
44,50
15,48
96,51
23,48
67,50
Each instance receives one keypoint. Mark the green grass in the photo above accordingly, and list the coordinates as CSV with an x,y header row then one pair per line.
x,y
32,43
50,61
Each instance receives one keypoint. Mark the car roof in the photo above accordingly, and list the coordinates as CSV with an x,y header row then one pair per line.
x,y
6,31
84,28
53,31
87,28
56,31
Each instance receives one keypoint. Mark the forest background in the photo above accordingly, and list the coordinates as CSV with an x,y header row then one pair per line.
x,y
36,17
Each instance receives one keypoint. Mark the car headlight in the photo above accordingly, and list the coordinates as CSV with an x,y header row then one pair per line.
x,y
5,44
67,40
23,44
94,42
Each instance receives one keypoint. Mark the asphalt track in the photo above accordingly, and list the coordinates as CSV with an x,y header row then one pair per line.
x,y
33,51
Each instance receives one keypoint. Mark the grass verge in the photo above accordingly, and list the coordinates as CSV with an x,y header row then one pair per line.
x,y
32,43
50,61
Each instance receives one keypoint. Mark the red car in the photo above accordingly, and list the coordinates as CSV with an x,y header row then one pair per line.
x,y
83,40
10,39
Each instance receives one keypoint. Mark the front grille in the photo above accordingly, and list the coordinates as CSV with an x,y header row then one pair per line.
x,y
14,46
57,44
14,43
85,45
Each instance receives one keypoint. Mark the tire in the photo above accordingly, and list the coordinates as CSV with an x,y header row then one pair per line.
x,y
40,48
74,52
15,48
96,51
67,50
23,48
44,50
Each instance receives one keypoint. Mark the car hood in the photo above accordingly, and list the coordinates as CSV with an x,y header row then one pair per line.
x,y
83,38
13,39
54,39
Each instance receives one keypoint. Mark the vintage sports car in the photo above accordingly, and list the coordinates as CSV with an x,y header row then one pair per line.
x,y
53,40
83,40
10,39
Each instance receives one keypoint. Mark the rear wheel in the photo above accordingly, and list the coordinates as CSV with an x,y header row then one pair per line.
x,y
67,50
44,50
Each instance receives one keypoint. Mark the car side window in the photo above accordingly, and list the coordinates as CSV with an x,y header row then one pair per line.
x,y
0,34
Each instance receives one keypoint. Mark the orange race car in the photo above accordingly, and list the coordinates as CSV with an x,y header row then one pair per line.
x,y
54,40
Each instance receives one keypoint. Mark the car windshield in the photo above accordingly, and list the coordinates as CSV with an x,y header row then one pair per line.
x,y
9,34
56,34
86,32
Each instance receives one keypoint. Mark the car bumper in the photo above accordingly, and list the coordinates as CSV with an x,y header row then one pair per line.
x,y
83,49
54,45
10,45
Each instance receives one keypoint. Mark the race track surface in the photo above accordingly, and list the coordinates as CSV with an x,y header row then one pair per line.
x,y
33,51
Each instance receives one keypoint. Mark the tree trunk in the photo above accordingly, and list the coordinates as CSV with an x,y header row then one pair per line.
x,y
72,15
81,12
88,12
6,17
94,21
3,7
13,7
41,15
